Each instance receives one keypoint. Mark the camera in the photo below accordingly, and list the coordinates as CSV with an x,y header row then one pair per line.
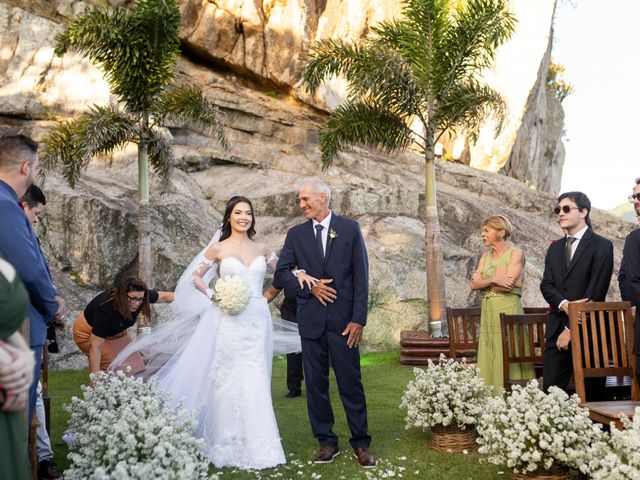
x,y
52,346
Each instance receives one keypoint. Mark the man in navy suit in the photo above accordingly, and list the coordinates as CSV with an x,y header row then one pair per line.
x,y
577,268
331,315
19,245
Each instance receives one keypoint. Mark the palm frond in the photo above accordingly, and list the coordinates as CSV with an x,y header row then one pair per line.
x,y
190,107
360,122
137,50
161,156
471,43
72,144
372,70
469,105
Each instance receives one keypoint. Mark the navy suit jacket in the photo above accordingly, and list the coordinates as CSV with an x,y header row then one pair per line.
x,y
19,246
588,276
345,262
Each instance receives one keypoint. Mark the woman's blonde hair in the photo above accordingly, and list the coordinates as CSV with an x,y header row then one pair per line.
x,y
499,222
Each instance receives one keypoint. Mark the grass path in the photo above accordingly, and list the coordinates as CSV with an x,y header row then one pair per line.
x,y
401,453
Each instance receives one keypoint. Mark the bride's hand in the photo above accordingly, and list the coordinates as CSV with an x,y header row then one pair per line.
x,y
304,278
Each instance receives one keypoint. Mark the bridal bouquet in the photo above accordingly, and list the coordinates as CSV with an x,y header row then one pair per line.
x,y
449,393
122,428
529,430
617,455
232,294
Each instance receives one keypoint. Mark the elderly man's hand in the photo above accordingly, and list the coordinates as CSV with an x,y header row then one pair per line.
x,y
354,330
324,293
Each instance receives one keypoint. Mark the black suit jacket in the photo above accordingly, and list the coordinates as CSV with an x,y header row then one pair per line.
x,y
631,256
588,276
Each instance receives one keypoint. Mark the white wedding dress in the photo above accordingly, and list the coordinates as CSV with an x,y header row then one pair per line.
x,y
222,368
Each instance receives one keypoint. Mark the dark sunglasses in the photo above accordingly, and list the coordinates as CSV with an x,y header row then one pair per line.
x,y
633,198
564,208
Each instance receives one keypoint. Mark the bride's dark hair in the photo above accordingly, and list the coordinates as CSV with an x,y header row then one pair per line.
x,y
226,225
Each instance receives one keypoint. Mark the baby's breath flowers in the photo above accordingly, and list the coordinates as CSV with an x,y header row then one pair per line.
x,y
529,429
449,393
123,429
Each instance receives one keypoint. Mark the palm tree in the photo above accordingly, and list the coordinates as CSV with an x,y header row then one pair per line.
x,y
412,80
137,50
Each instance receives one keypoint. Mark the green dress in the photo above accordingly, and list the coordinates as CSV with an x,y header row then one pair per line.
x,y
490,341
14,460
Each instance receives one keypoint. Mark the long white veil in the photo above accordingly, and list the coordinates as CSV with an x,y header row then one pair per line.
x,y
165,341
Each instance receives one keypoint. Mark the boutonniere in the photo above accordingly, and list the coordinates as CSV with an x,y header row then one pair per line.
x,y
332,234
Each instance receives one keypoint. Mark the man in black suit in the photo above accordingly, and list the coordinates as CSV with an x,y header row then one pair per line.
x,y
577,268
630,272
622,274
331,315
294,360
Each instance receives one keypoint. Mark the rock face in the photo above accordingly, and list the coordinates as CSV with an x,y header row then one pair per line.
x,y
89,234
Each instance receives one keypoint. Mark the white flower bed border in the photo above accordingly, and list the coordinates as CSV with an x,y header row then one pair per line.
x,y
122,429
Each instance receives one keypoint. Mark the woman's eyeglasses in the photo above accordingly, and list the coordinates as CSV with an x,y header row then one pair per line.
x,y
564,209
634,197
135,299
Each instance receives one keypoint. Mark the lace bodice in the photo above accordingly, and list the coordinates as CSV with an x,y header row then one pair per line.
x,y
253,274
201,277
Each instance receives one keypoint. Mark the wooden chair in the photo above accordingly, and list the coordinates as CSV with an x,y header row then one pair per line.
x,y
523,341
464,331
601,346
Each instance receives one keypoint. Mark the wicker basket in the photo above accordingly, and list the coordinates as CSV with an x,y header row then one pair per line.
x,y
453,439
556,472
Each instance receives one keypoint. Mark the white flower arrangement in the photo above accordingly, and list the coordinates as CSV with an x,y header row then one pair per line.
x,y
449,393
232,294
617,455
529,429
122,429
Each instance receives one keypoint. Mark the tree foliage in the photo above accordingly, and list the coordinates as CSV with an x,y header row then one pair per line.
x,y
424,65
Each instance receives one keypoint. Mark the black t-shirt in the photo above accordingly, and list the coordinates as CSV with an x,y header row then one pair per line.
x,y
105,321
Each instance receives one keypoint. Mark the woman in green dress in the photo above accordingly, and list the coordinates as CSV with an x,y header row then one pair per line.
x,y
499,278
16,373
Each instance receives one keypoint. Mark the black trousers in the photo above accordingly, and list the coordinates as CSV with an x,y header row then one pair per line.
x,y
294,371
558,368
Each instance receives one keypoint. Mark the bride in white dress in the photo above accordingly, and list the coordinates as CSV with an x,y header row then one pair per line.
x,y
222,367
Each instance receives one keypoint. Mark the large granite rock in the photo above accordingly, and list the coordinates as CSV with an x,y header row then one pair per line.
x,y
89,234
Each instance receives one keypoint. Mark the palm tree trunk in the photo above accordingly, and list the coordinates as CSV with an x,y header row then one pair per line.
x,y
144,226
432,243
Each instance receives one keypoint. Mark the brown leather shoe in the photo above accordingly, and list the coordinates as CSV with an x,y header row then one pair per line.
x,y
327,453
365,458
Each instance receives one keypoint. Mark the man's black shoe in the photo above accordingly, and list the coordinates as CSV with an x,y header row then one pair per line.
x,y
48,470
293,394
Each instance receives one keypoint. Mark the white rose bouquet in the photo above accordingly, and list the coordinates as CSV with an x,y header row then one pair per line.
x,y
232,294
617,455
529,429
449,393
122,428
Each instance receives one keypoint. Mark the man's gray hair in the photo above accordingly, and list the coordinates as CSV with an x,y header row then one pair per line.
x,y
317,186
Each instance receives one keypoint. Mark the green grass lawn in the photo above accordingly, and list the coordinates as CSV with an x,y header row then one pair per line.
x,y
401,453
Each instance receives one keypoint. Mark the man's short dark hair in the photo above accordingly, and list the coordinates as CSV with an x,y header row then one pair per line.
x,y
581,201
33,196
13,148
